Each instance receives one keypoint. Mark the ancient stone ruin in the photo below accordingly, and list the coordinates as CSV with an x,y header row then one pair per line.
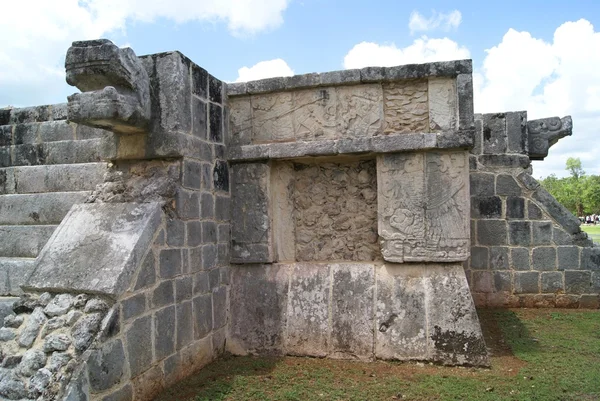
x,y
162,217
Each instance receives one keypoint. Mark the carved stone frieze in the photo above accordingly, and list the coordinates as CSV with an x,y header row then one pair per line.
x,y
406,107
423,206
443,111
115,87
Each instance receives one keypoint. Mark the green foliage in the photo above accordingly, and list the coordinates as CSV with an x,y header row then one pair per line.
x,y
580,193
536,355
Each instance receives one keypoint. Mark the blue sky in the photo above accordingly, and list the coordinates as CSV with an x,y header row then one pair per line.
x,y
543,56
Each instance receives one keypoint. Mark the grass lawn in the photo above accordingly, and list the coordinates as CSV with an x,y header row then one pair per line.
x,y
592,231
536,355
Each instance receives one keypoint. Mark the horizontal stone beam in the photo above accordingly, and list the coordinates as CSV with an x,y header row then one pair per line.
x,y
352,77
378,144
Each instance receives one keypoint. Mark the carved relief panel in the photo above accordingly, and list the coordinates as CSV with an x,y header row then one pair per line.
x,y
406,106
423,206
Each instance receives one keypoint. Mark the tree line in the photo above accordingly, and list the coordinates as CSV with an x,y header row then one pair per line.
x,y
579,192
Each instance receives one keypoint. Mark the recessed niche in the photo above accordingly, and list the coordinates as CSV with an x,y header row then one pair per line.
x,y
325,210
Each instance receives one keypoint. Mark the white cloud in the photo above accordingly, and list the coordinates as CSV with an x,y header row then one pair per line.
x,y
418,23
264,69
422,50
548,79
39,32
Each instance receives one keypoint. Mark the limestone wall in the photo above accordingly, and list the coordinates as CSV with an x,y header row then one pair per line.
x,y
350,215
527,249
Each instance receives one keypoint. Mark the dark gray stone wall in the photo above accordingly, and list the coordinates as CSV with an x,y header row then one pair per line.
x,y
527,249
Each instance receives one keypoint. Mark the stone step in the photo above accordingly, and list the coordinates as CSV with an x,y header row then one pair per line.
x,y
13,273
51,178
43,208
58,152
24,241
47,131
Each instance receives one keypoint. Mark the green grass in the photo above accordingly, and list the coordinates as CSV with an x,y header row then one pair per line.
x,y
592,231
537,355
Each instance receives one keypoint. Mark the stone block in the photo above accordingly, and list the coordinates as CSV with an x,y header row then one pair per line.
x,y
491,232
504,160
541,232
207,206
482,281
214,275
201,284
209,256
400,314
352,317
220,309
578,281
202,315
423,206
589,301
557,211
250,221
222,208
61,178
515,207
215,89
482,184
494,133
520,259
516,130
533,211
187,204
221,176
560,237
590,258
105,366
26,133
183,289
503,281
479,257
507,185
519,233
499,258
191,174
199,81
199,118
125,393
240,121
164,332
596,282
568,257
57,131
544,258
258,307
170,263
486,207
115,236
185,324
215,123
464,87
443,110
552,282
139,345
194,233
163,294
308,329
133,306
175,232
527,282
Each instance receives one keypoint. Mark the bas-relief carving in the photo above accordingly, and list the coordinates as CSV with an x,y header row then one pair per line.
x,y
406,106
335,211
423,213
545,132
240,120
443,113
359,111
317,114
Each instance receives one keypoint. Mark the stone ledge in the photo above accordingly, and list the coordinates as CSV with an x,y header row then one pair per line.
x,y
96,249
378,144
352,77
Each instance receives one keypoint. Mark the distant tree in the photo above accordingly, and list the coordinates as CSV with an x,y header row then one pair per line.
x,y
578,192
574,167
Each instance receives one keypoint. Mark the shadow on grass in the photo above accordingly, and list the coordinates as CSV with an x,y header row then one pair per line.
x,y
505,333
216,380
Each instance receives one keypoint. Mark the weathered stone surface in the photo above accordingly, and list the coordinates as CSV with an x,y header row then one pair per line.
x,y
250,225
308,328
406,106
139,349
57,342
423,206
115,87
516,132
557,211
105,365
32,361
40,381
258,309
114,235
164,332
401,321
551,282
84,331
443,108
352,310
578,281
527,282
32,328
59,305
494,134
545,132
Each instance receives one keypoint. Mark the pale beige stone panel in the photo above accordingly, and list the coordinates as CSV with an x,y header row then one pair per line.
x,y
443,110
272,118
240,118
314,114
406,107
359,111
282,185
